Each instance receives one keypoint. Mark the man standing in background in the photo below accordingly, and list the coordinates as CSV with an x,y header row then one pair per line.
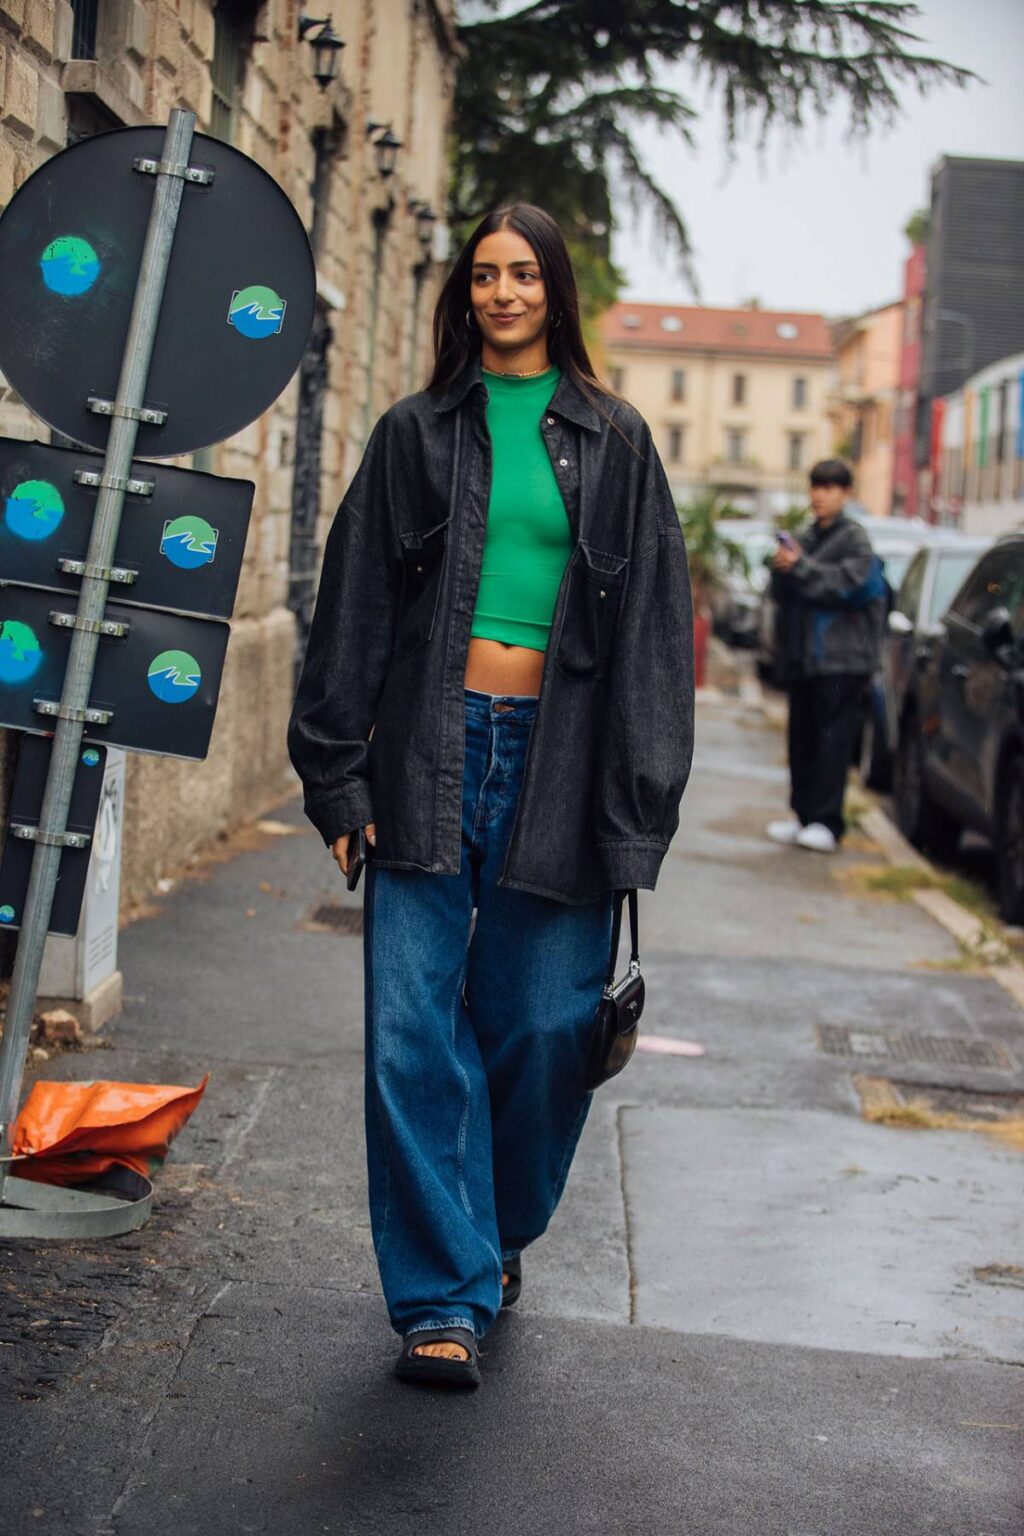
x,y
830,598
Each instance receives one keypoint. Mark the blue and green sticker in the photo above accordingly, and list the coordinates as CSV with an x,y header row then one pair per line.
x,y
189,542
20,652
34,510
174,676
256,312
69,266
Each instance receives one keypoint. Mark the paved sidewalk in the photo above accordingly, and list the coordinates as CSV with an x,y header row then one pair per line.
x,y
755,1314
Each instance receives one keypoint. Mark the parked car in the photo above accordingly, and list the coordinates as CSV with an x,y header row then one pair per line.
x,y
933,577
960,751
894,540
736,602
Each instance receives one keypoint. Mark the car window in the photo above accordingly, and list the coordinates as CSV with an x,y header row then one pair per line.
x,y
950,571
895,563
908,598
997,581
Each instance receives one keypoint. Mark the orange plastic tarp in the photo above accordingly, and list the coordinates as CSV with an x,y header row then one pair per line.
x,y
71,1133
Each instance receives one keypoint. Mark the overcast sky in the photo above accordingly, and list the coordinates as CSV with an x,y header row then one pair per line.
x,y
817,225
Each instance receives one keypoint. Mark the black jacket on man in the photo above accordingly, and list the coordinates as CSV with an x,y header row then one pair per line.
x,y
830,606
377,730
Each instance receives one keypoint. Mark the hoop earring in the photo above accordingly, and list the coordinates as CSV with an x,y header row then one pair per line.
x,y
469,320
556,322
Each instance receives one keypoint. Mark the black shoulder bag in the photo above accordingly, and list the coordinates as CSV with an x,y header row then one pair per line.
x,y
613,1040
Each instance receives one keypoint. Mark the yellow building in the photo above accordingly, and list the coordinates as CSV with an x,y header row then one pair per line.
x,y
864,399
736,398
372,210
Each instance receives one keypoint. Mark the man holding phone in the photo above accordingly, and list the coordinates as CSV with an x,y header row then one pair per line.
x,y
830,599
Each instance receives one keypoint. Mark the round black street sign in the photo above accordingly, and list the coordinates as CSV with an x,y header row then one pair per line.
x,y
237,308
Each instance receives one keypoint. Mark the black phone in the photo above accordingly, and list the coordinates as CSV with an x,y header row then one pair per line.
x,y
357,861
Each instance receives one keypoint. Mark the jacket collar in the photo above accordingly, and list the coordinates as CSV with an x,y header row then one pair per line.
x,y
568,399
820,533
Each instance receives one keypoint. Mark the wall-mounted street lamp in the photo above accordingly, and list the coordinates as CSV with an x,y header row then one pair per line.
x,y
326,46
426,218
386,148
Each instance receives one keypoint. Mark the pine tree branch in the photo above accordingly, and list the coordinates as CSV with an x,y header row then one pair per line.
x,y
542,95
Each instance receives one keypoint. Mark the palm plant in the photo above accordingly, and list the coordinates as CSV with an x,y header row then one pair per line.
x,y
711,553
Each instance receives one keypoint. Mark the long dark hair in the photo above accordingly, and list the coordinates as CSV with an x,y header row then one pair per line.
x,y
457,342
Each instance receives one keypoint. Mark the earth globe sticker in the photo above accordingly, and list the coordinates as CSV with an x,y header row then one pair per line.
x,y
69,265
6,914
174,676
188,542
90,757
20,654
34,509
256,312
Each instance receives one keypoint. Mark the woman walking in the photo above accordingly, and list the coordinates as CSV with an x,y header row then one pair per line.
x,y
498,688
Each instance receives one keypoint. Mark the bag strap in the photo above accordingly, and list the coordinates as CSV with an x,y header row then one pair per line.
x,y
634,931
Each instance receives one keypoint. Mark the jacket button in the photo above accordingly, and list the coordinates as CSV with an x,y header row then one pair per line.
x,y
604,594
563,462
419,570
551,421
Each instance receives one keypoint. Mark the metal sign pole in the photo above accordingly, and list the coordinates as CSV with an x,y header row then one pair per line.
x,y
74,705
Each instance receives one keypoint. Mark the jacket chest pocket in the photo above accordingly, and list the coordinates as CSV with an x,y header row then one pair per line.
x,y
592,603
423,551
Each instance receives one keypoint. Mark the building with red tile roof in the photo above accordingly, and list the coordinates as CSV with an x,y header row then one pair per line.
x,y
736,398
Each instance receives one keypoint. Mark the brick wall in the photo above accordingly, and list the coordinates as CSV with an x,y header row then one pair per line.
x,y
151,55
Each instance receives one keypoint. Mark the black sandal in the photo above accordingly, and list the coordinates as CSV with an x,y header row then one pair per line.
x,y
510,1292
435,1370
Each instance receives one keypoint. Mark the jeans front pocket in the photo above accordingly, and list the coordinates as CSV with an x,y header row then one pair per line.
x,y
423,551
592,600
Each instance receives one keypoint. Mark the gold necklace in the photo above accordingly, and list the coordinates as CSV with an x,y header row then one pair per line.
x,y
511,374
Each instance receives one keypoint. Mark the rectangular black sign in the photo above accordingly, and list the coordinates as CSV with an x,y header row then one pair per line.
x,y
25,808
185,541
160,680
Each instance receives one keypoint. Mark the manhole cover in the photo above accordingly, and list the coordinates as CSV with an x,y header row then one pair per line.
x,y
930,1050
332,917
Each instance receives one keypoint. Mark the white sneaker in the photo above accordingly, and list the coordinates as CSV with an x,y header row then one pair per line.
x,y
786,832
818,838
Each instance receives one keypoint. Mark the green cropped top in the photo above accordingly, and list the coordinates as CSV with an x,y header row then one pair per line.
x,y
528,541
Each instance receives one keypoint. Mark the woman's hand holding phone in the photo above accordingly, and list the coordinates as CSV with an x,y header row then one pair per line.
x,y
349,851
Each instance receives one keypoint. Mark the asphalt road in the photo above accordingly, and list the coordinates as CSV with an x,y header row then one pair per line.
x,y
755,1313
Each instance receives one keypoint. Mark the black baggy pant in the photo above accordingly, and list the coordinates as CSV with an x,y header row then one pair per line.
x,y
824,713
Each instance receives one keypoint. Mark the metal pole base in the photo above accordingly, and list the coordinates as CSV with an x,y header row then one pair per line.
x,y
30,1209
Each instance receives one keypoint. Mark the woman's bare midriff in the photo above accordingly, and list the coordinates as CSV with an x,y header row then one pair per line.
x,y
493,667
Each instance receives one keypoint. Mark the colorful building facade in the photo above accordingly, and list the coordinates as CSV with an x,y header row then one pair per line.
x,y
977,451
863,404
905,477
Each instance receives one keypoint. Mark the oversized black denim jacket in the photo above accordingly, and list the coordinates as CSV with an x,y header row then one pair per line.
x,y
377,730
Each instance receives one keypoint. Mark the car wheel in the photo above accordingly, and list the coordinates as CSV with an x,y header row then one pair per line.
x,y
926,824
1010,843
875,767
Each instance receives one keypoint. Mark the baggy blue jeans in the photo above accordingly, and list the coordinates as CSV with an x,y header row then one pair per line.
x,y
476,1041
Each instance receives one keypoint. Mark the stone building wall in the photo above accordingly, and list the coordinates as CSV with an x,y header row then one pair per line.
x,y
397,68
